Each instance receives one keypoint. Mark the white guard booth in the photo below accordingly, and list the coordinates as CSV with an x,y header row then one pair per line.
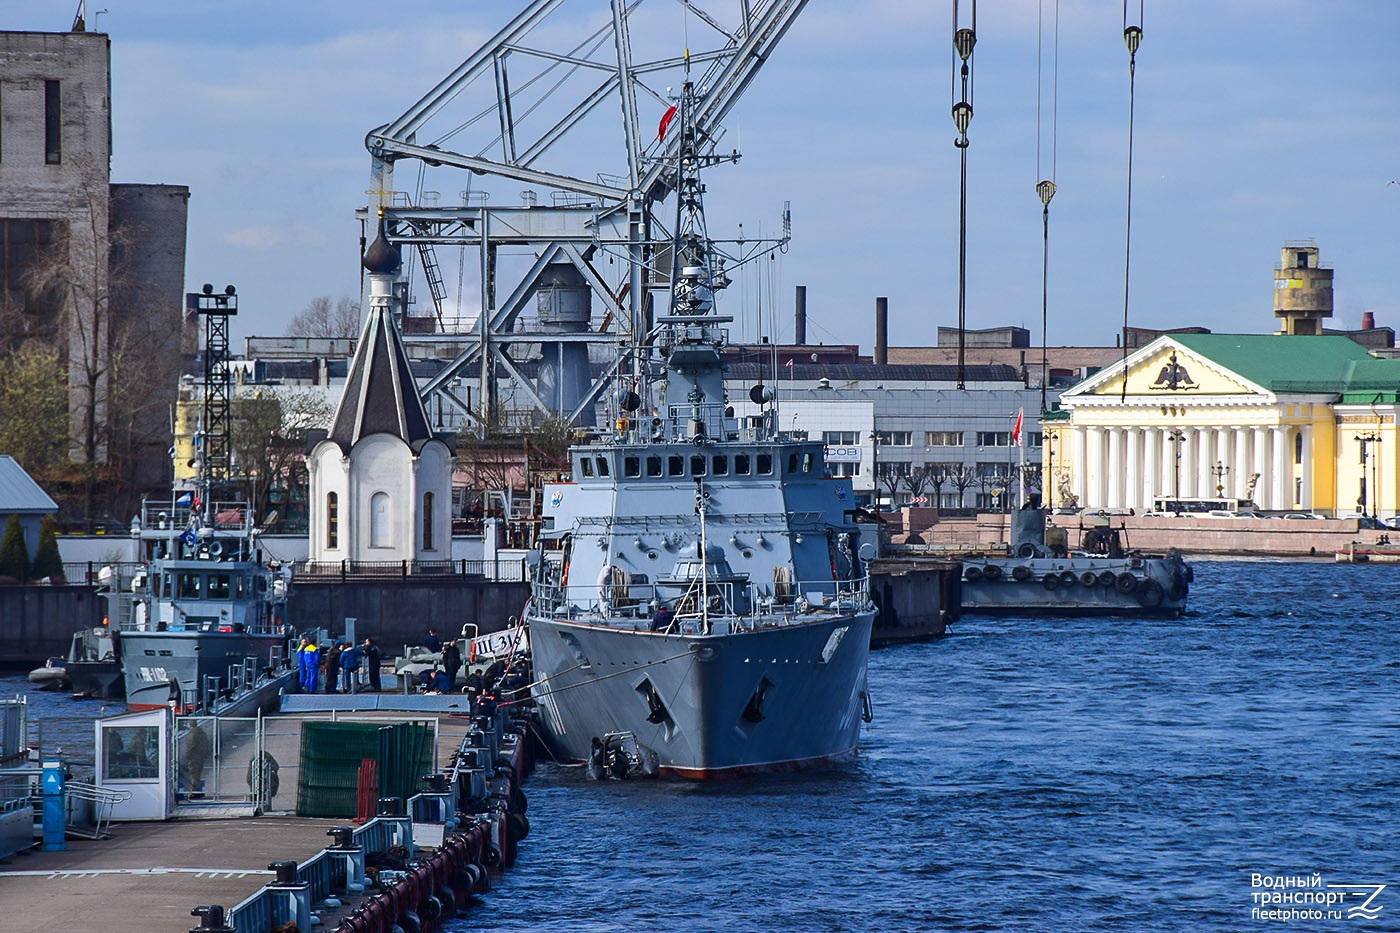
x,y
134,754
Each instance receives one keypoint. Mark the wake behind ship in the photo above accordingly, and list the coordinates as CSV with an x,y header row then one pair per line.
x,y
701,593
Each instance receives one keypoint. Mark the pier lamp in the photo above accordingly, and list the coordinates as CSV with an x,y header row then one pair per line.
x,y
1176,437
1365,440
1219,471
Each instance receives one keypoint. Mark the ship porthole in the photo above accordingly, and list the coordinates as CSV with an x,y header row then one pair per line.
x,y
651,554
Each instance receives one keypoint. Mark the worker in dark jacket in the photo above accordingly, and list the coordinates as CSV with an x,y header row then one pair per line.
x,y
372,659
350,660
331,665
451,661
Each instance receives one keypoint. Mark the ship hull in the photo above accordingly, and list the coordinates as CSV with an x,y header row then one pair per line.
x,y
151,660
773,699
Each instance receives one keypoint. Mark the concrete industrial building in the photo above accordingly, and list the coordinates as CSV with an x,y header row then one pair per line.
x,y
97,268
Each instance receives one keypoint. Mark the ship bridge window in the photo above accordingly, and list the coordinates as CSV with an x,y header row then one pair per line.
x,y
653,466
697,466
675,465
586,466
792,463
162,586
765,464
242,587
603,469
719,465
810,462
187,586
631,466
218,586
741,464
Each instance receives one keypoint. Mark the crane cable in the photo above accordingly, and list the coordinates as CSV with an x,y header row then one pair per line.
x,y
1045,188
1132,38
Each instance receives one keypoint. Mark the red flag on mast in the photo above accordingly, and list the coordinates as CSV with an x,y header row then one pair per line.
x,y
1016,429
665,121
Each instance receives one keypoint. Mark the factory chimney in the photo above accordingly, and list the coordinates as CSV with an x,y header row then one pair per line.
x,y
882,323
800,323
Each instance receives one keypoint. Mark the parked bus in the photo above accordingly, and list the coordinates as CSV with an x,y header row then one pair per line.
x,y
1167,505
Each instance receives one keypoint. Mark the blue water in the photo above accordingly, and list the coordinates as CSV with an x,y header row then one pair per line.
x,y
1072,774
1057,775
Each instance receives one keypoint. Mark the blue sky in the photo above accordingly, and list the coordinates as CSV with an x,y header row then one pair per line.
x,y
1256,122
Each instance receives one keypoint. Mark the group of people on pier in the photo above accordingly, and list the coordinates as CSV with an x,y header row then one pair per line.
x,y
340,663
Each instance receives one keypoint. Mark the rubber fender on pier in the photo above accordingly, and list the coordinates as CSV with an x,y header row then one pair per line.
x,y
431,912
1150,594
519,825
1050,580
1177,588
991,573
1089,579
518,802
410,922
491,856
1020,573
972,573
1126,582
1067,578
1107,578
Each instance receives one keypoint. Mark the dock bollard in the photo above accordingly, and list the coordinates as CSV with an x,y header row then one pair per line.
x,y
297,903
343,846
211,919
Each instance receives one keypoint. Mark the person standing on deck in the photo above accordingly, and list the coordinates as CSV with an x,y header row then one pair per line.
x,y
332,665
372,659
432,642
309,663
451,661
350,660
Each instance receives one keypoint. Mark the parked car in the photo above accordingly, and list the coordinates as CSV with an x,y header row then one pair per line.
x,y
1300,515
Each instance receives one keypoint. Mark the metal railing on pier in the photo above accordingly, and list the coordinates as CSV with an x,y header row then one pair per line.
x,y
512,571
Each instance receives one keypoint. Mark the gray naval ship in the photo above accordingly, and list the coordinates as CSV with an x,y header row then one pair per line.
x,y
701,602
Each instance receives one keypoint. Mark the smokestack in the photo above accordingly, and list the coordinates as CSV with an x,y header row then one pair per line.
x,y
1368,320
882,323
800,324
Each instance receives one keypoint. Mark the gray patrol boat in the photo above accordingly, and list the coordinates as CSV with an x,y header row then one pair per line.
x,y
700,600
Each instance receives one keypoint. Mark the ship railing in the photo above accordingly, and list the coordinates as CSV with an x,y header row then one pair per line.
x,y
750,604
176,516
325,873
509,571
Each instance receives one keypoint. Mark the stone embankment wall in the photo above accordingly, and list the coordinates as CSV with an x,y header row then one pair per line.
x,y
38,622
1243,537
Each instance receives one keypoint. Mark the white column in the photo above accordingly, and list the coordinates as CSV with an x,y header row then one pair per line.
x,y
1151,467
1132,472
1260,463
1307,497
1203,463
1222,456
1079,462
1115,468
1243,468
1185,477
1093,469
1282,469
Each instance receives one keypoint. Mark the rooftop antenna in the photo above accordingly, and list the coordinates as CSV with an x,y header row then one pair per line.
x,y
964,39
1132,38
1045,188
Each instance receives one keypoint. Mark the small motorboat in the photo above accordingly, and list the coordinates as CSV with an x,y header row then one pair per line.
x,y
52,676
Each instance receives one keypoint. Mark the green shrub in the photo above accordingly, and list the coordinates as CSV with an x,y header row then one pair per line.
x,y
14,559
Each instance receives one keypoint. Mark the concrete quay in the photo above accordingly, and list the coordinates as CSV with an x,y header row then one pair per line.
x,y
149,876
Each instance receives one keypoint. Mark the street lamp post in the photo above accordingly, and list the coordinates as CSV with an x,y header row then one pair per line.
x,y
1365,440
1048,482
1220,471
1176,437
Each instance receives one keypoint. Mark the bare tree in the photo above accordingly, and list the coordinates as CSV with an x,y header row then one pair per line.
x,y
962,476
325,318
269,439
34,409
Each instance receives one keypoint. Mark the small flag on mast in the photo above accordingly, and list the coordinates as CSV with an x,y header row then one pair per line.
x,y
1016,429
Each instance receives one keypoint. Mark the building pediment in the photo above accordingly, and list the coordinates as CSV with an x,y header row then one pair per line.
x,y
1164,371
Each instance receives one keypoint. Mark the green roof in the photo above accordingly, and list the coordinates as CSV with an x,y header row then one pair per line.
x,y
1279,363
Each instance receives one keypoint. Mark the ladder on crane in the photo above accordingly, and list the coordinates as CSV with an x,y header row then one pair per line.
x,y
433,275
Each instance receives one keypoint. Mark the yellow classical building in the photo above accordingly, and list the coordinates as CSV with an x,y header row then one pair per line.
x,y
1303,423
